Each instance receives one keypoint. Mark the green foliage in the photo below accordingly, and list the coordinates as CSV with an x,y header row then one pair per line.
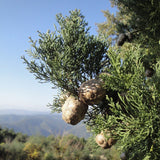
x,y
6,134
126,68
142,16
21,137
137,19
134,119
131,110
67,147
68,56
10,146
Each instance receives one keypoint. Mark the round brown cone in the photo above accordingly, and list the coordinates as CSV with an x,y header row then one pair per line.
x,y
91,92
73,110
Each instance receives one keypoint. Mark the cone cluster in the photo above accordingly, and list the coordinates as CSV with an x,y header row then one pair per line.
x,y
90,93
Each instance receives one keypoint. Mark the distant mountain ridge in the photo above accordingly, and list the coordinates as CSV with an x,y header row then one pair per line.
x,y
21,112
45,124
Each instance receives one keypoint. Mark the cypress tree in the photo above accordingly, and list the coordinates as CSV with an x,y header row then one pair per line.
x,y
129,72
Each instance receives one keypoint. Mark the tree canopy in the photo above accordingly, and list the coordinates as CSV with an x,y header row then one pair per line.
x,y
68,56
125,58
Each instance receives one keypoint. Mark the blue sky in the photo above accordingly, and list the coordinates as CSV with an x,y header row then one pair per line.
x,y
20,19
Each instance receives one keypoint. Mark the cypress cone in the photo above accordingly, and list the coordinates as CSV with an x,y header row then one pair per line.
x,y
91,92
103,142
73,110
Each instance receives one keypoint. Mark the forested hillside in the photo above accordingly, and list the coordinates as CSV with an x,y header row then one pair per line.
x,y
45,125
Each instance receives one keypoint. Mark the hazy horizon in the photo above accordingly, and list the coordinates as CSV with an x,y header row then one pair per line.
x,y
40,109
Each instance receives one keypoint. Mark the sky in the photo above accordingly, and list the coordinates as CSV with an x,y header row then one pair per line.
x,y
21,19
